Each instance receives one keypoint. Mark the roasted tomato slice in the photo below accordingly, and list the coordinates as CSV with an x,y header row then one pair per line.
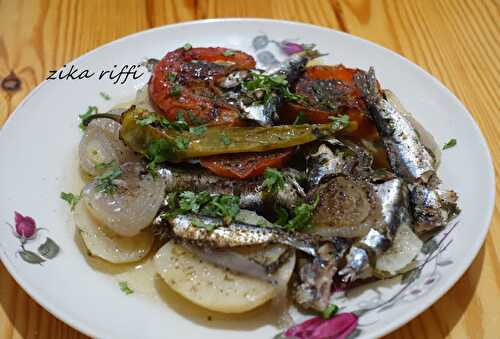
x,y
185,82
329,91
246,165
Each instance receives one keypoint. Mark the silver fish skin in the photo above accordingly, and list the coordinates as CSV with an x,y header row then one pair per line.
x,y
251,192
393,195
432,208
259,263
394,199
408,156
332,158
236,234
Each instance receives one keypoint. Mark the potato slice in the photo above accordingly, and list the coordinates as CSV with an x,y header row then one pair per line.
x,y
404,249
213,287
106,244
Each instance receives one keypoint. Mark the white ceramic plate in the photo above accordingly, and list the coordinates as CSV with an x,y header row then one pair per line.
x,y
38,151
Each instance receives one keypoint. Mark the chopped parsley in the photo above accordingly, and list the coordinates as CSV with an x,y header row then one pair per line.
x,y
339,122
229,52
124,287
175,91
146,119
165,123
198,130
105,96
71,199
270,84
329,311
274,180
225,139
214,205
179,124
302,215
300,119
187,46
171,76
90,111
282,215
158,151
451,143
104,182
181,143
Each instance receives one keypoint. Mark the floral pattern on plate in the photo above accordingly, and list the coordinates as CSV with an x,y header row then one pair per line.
x,y
26,230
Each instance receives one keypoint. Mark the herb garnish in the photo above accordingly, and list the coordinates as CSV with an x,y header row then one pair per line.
x,y
147,119
282,215
175,91
181,143
451,143
158,151
124,287
269,84
105,96
274,180
187,46
71,199
171,76
104,182
90,111
225,139
179,124
302,216
329,311
229,52
339,122
213,205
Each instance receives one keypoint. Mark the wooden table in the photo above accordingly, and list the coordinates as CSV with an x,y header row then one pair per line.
x,y
456,41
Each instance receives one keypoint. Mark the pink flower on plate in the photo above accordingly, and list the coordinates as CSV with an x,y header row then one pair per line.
x,y
25,226
290,48
338,327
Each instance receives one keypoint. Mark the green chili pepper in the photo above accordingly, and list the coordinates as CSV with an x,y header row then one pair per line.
x,y
242,139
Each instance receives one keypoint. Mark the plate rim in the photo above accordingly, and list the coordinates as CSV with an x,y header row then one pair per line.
x,y
391,326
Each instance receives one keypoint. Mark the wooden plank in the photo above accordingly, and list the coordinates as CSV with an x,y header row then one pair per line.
x,y
456,41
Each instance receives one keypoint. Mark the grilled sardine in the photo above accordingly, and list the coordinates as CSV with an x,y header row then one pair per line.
x,y
236,234
408,156
394,201
251,192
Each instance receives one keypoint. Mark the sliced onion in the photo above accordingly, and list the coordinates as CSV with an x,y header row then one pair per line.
x,y
101,144
347,208
405,247
104,243
108,124
132,206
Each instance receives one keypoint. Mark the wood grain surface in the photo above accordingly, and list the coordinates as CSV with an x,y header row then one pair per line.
x,y
455,40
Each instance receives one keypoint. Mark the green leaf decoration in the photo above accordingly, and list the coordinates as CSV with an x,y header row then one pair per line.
x,y
49,249
30,257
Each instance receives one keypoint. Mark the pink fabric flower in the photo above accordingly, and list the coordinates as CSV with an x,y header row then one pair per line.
x,y
291,47
338,327
25,226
